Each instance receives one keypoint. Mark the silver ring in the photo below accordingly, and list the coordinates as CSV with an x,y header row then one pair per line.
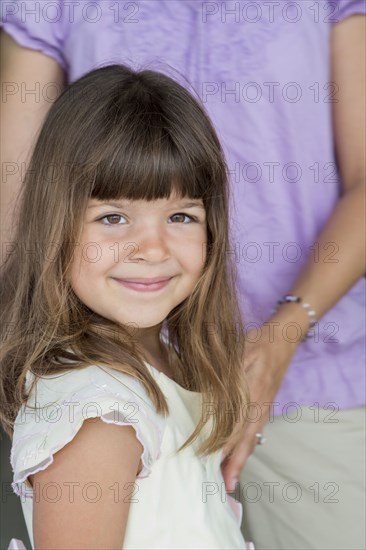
x,y
260,439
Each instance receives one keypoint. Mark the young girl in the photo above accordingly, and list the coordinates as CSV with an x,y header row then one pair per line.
x,y
121,376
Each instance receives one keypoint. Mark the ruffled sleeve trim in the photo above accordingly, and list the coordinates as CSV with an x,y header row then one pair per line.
x,y
59,421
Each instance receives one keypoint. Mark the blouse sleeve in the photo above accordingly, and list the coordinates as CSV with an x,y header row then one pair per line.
x,y
344,8
58,406
36,25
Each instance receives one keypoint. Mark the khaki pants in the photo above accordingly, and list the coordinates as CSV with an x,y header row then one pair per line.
x,y
305,487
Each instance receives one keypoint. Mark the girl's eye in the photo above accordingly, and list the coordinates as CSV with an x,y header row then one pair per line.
x,y
117,219
180,217
113,219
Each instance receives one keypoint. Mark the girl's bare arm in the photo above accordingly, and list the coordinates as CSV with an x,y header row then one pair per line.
x,y
30,82
82,499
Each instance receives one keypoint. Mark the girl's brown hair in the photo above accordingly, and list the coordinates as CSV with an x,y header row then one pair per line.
x,y
118,133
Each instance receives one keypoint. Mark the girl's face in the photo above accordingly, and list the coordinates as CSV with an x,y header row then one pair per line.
x,y
123,244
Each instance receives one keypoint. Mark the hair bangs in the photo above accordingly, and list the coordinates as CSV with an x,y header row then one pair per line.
x,y
144,160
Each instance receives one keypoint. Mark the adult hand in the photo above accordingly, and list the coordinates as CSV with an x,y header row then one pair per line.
x,y
265,363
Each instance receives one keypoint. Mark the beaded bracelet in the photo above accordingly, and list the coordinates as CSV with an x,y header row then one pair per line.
x,y
311,312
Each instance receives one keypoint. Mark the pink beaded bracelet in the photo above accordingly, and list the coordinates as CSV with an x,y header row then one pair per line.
x,y
311,312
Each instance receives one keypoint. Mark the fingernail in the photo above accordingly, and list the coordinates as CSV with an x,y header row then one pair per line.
x,y
234,483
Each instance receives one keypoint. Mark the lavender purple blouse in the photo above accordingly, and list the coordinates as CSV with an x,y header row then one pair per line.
x,y
261,68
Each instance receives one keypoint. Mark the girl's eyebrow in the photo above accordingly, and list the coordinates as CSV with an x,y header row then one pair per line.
x,y
192,205
122,204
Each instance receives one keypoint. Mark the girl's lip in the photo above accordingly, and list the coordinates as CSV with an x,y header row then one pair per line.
x,y
146,281
143,287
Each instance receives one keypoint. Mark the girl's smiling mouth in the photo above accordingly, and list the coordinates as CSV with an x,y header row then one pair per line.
x,y
145,285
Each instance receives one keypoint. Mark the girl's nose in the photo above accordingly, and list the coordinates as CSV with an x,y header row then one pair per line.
x,y
151,246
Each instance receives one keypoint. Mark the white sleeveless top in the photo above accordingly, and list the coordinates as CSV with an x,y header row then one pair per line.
x,y
181,499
